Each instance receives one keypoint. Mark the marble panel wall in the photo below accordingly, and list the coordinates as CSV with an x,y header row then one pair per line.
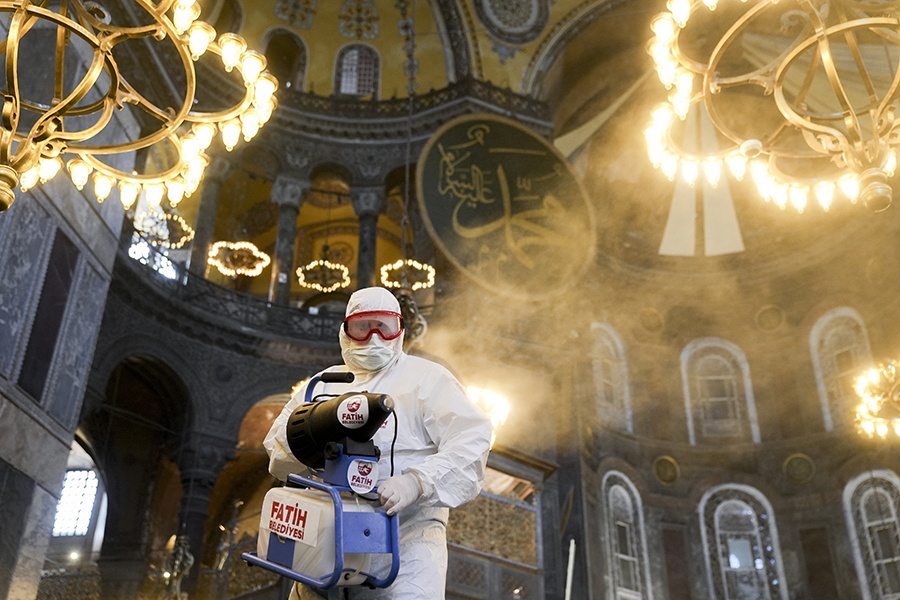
x,y
22,256
16,490
75,345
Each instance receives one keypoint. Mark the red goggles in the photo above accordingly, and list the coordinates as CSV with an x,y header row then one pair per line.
x,y
361,326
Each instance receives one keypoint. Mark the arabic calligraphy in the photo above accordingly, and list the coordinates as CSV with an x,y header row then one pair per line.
x,y
504,204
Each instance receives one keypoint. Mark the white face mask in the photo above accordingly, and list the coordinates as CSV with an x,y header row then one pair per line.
x,y
368,358
373,355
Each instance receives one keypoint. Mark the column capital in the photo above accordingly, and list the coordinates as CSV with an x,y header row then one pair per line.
x,y
288,190
368,200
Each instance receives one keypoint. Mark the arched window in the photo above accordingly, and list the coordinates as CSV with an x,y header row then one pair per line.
x,y
840,350
871,506
357,72
740,542
626,538
611,378
718,395
286,58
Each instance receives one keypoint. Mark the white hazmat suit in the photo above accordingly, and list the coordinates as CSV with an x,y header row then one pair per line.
x,y
442,440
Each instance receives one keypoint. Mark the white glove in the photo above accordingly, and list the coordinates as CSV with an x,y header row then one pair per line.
x,y
398,492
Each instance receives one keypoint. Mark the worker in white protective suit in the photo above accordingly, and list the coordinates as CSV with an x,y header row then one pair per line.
x,y
441,448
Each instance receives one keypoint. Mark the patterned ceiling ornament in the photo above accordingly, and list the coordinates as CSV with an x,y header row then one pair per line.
x,y
298,13
359,19
516,22
504,52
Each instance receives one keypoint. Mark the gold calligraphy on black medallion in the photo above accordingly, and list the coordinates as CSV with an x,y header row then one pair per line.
x,y
505,206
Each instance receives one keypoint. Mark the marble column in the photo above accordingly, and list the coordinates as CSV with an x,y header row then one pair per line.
x,y
367,202
200,465
204,227
287,193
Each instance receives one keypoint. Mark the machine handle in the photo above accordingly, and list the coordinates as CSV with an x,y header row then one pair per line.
x,y
337,377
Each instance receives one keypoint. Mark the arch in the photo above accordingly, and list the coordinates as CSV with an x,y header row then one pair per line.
x,y
610,370
738,526
287,57
149,347
871,503
357,71
717,391
556,39
839,346
626,538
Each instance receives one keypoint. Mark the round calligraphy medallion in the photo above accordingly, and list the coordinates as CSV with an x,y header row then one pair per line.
x,y
505,206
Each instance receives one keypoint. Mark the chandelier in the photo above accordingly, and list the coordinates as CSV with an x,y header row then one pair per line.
x,y
878,412
324,276
412,274
158,228
238,258
60,127
802,94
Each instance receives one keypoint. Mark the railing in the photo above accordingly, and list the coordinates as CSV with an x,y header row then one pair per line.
x,y
473,575
207,299
395,108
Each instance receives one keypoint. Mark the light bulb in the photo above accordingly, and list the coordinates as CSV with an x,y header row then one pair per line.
x,y
890,164
79,171
154,194
824,195
252,64
232,46
689,170
713,171
249,124
666,71
681,11
103,185
881,428
190,147
663,26
265,111
175,191
868,426
873,376
48,168
659,51
128,193
684,82
655,155
669,165
231,133
662,115
710,4
264,89
681,104
656,137
183,16
204,132
29,179
737,164
797,195
201,35
850,187
780,195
